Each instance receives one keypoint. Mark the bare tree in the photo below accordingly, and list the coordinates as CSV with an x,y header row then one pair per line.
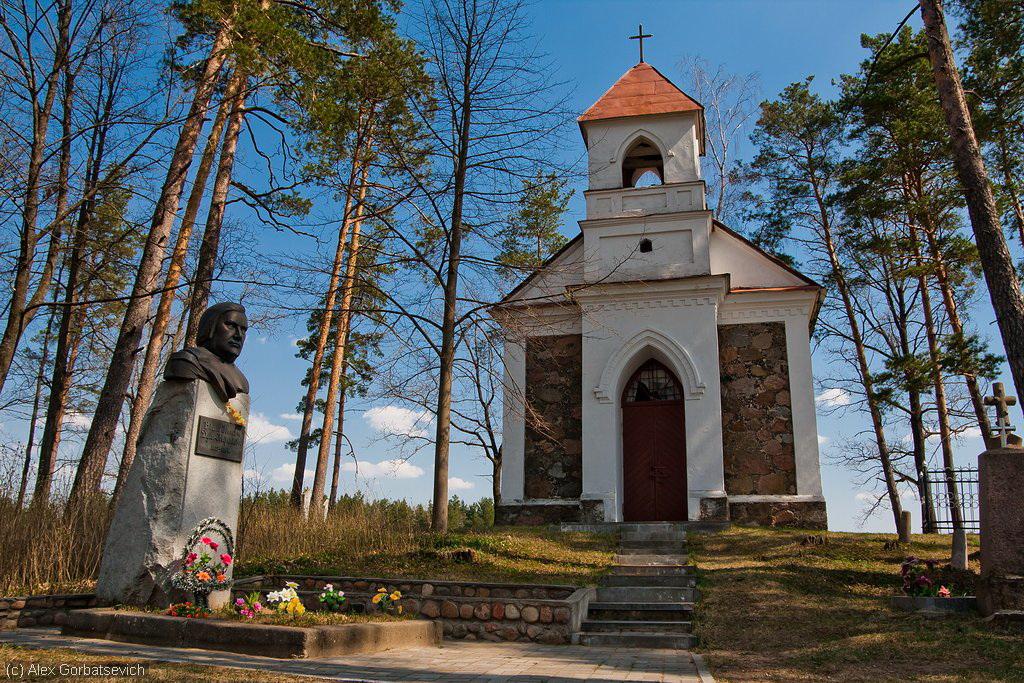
x,y
730,104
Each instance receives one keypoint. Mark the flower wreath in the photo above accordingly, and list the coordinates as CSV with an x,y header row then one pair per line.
x,y
202,571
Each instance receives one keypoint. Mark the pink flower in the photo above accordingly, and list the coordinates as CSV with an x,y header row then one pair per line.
x,y
190,558
225,558
257,607
239,602
943,592
206,540
213,545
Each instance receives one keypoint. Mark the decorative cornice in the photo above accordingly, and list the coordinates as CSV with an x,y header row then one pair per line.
x,y
729,314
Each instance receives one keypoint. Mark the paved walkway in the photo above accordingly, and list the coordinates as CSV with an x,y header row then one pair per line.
x,y
456,661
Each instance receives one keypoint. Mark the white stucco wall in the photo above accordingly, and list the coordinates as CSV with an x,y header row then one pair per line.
x,y
747,266
675,135
624,326
679,247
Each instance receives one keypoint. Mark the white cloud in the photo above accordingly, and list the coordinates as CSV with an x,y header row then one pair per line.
x,y
261,430
456,484
865,497
76,419
397,421
291,416
833,398
392,469
286,472
823,440
971,433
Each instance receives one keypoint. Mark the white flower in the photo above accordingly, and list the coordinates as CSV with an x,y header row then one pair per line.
x,y
329,587
291,584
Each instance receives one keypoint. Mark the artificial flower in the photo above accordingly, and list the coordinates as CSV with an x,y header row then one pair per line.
x,y
225,558
943,592
203,576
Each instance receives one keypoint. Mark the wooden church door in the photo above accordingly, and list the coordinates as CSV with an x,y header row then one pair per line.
x,y
653,446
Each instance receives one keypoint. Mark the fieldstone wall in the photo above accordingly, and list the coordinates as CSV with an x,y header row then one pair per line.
x,y
553,458
41,610
757,418
467,611
798,514
536,514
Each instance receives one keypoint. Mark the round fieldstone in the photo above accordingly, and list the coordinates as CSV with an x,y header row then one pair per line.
x,y
466,611
522,593
498,611
459,630
427,589
430,609
457,591
410,606
509,634
530,614
482,611
545,614
552,637
533,631
491,627
511,612
562,615
483,592
449,610
469,592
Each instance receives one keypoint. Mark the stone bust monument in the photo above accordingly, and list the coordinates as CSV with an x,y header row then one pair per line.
x,y
220,339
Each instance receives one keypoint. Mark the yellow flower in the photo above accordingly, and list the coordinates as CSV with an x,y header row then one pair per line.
x,y
234,414
295,607
382,590
377,598
395,596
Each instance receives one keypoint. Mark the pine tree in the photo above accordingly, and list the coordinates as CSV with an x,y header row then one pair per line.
x,y
531,233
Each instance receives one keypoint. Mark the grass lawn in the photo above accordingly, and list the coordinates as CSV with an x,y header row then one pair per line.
x,y
155,671
501,554
775,609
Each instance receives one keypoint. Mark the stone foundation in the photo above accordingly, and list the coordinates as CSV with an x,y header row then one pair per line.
x,y
534,514
466,611
714,509
757,416
798,514
553,447
41,610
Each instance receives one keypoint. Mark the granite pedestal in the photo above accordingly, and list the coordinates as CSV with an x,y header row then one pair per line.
x,y
1000,486
170,488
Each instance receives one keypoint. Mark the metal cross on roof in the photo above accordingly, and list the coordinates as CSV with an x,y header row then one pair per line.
x,y
1003,430
640,35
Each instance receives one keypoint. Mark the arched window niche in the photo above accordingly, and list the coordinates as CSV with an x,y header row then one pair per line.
x,y
642,165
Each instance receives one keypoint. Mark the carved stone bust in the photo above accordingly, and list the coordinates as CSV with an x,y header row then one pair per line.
x,y
220,339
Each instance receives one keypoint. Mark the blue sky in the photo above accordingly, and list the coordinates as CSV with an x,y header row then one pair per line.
x,y
587,41
783,41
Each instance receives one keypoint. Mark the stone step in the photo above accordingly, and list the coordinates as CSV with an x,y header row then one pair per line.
x,y
640,612
631,593
653,535
630,557
630,527
676,581
630,626
668,641
640,569
653,547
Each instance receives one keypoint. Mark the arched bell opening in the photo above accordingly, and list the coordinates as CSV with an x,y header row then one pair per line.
x,y
642,165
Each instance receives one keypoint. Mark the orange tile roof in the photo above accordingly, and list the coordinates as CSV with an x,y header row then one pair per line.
x,y
641,90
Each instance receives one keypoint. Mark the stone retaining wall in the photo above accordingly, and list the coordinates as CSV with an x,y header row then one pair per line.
x,y
539,514
798,514
469,611
41,610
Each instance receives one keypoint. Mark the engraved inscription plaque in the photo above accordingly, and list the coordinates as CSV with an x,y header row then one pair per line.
x,y
220,439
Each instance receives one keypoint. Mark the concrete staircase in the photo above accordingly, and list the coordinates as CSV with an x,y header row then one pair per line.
x,y
647,599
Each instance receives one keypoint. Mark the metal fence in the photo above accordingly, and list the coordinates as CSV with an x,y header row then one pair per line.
x,y
966,479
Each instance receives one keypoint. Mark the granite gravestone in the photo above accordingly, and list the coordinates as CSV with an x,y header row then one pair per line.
x,y
1000,482
188,465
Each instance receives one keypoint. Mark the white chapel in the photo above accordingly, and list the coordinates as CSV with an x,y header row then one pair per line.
x,y
658,367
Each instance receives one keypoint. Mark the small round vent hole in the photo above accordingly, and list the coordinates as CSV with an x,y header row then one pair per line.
x,y
646,246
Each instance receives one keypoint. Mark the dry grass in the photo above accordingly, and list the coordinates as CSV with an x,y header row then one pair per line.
x,y
155,671
775,609
46,551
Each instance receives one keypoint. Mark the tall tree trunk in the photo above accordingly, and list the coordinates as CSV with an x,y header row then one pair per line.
x,y
496,478
341,337
203,282
877,425
917,196
1009,183
996,261
44,357
324,330
339,436
122,361
941,406
442,437
19,315
158,328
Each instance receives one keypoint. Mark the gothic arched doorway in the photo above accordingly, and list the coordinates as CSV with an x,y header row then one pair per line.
x,y
653,446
